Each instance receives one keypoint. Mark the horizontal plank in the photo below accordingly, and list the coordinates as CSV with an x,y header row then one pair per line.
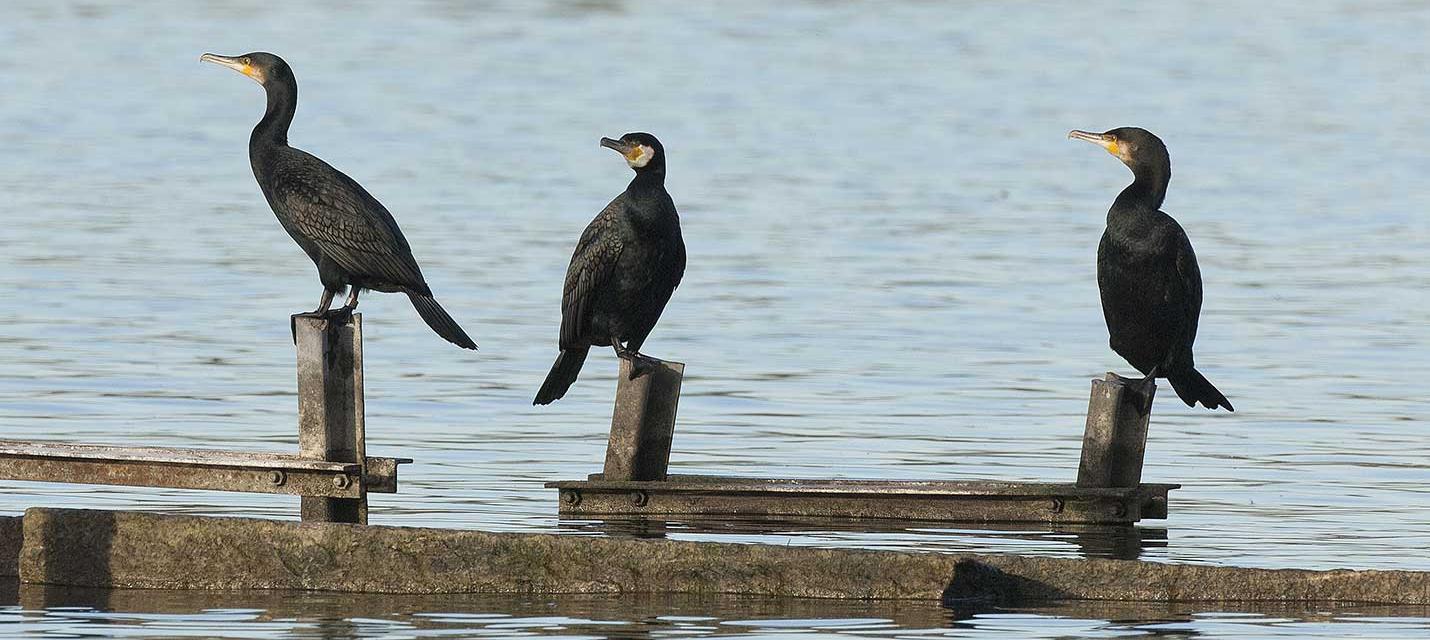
x,y
951,501
169,455
728,484
188,468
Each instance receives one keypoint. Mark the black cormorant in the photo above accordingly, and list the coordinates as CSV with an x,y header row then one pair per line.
x,y
1147,273
349,234
627,263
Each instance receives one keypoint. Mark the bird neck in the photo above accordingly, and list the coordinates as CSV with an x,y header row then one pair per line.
x,y
282,104
649,177
1148,188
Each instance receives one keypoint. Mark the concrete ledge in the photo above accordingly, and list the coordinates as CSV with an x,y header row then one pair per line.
x,y
10,540
151,551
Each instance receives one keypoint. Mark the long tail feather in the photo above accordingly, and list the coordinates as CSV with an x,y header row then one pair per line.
x,y
436,317
563,373
1192,387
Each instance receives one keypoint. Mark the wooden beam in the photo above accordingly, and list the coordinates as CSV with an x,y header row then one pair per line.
x,y
643,422
183,468
961,501
1115,439
330,406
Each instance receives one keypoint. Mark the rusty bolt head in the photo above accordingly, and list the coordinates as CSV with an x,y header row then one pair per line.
x,y
571,496
341,481
1057,505
277,478
639,498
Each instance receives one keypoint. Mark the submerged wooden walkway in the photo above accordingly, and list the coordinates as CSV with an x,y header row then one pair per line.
x,y
109,549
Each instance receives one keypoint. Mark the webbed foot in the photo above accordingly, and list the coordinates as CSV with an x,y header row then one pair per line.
x,y
340,314
1145,388
642,365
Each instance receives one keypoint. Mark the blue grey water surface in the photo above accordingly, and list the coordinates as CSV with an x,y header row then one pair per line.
x,y
891,249
134,614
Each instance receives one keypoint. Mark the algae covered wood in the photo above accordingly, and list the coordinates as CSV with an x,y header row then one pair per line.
x,y
110,549
643,422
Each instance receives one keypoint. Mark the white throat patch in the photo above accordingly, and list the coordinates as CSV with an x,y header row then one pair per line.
x,y
641,157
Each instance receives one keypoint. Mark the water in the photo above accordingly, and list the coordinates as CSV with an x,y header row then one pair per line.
x,y
171,614
891,250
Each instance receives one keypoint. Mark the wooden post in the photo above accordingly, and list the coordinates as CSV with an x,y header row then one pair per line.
x,y
1115,439
643,423
330,406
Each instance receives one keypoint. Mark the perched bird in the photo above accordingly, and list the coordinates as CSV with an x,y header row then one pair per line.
x,y
627,263
1147,273
349,234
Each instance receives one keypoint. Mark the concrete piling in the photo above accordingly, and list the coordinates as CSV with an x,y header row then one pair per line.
x,y
1115,438
330,406
643,423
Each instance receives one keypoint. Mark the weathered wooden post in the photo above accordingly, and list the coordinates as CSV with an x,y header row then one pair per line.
x,y
330,407
643,423
1115,439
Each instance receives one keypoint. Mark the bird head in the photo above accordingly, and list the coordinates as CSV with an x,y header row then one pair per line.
x,y
263,68
641,151
1132,145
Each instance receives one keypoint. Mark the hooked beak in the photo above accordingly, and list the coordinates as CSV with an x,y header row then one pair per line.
x,y
1100,139
620,147
236,64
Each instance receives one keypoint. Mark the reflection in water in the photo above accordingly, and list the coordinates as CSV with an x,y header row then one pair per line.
x,y
1089,541
39,610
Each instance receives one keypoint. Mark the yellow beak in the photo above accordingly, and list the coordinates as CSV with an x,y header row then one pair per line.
x,y
237,64
1100,139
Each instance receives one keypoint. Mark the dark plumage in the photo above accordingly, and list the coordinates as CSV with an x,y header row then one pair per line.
x,y
349,234
625,267
1147,273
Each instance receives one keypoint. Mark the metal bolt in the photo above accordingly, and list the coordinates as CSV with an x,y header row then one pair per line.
x,y
341,481
1057,505
571,497
277,478
639,498
1121,511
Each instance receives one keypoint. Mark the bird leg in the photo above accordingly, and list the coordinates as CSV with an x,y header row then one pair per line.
x,y
350,304
1145,388
345,312
322,311
323,304
640,364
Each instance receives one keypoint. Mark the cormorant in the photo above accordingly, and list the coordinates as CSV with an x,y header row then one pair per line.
x,y
627,263
1147,274
349,234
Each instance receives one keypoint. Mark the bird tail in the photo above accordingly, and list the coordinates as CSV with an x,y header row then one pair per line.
x,y
1192,388
563,373
436,317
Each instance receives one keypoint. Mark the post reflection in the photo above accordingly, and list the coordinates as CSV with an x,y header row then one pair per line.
x,y
1086,541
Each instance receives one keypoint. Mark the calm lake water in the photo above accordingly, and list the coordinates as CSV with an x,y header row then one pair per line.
x,y
891,269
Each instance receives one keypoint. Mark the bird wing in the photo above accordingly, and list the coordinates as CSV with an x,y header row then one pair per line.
x,y
347,224
1189,279
592,263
